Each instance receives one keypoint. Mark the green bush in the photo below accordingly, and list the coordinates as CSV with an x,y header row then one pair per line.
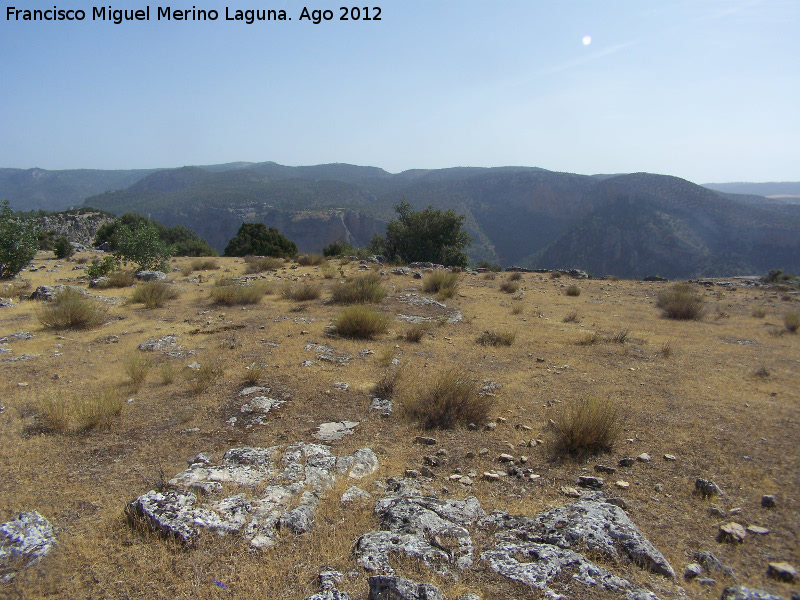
x,y
256,240
489,266
181,240
153,294
70,309
338,248
360,322
680,302
588,426
18,242
62,248
515,276
359,290
108,265
142,247
450,400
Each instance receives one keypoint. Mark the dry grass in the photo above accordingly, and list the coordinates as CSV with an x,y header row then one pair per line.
x,y
69,415
118,279
450,400
71,309
360,322
759,312
791,320
509,287
620,337
573,290
517,307
137,366
261,264
201,378
515,276
496,338
153,294
572,317
229,293
359,290
301,291
167,373
442,283
310,260
416,332
680,302
254,373
588,426
388,383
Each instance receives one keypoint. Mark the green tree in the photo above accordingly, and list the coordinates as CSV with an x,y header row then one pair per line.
x,y
142,247
182,240
62,248
428,235
18,242
256,240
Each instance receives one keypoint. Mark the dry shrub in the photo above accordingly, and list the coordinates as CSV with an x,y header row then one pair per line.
x,y
590,339
490,275
588,426
301,291
680,302
759,312
388,383
310,260
620,337
509,287
53,413
137,366
229,293
153,294
201,378
360,322
515,276
119,279
167,373
442,283
260,264
496,338
328,272
573,290
791,320
450,400
666,350
572,317
555,274
70,309
204,264
254,372
516,308
763,372
416,332
359,290
58,414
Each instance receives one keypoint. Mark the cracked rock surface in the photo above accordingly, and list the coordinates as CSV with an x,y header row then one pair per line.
x,y
275,490
24,541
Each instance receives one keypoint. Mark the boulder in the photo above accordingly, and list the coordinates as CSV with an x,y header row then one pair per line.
x,y
24,541
739,592
151,276
382,587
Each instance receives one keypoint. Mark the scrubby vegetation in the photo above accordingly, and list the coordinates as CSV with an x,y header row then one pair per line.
x,y
360,322
18,242
260,264
153,294
227,292
681,302
791,321
310,260
450,400
301,291
496,338
573,290
588,426
359,290
71,309
509,287
256,240
442,283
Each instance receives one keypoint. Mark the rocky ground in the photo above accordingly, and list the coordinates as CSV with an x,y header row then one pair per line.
x,y
257,460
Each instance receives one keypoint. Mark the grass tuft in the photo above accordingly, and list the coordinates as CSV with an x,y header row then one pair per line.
x,y
58,414
301,291
759,312
70,309
416,332
509,287
387,384
310,260
228,293
620,337
588,426
515,276
680,302
516,308
253,373
573,290
450,400
137,366
359,290
791,320
496,338
260,264
360,322
572,317
442,283
153,294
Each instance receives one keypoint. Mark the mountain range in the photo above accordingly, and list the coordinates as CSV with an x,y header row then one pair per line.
x,y
629,225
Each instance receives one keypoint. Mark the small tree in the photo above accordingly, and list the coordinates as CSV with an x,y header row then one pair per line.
x,y
428,235
62,248
256,240
142,247
17,242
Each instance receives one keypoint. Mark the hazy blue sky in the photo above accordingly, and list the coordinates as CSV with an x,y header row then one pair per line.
x,y
705,90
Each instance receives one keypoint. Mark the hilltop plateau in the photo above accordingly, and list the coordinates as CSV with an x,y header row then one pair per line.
x,y
275,413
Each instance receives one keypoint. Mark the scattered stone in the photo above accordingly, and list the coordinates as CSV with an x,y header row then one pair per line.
x,y
717,511
505,458
385,407
425,441
618,502
159,345
658,488
588,481
670,457
707,581
431,461
151,276
732,533
768,501
707,488
411,473
643,457
426,472
692,571
342,386
626,462
383,587
491,476
570,492
21,335
490,426
623,485
711,563
757,530
355,495
465,481
23,542
364,463
739,592
483,451
782,571
604,469
329,432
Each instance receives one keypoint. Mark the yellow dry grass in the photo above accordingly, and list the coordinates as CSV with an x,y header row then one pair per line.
x,y
687,387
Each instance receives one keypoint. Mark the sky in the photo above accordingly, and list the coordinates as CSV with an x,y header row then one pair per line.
x,y
704,90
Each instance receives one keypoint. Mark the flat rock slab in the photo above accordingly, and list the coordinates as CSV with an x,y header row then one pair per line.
x,y
329,432
399,588
24,541
254,492
739,592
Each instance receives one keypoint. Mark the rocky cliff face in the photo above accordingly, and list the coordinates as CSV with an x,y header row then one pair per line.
x,y
80,228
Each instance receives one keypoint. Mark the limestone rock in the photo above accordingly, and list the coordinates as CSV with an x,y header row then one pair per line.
x,y
782,571
739,592
355,494
24,541
364,463
385,407
151,276
731,532
383,587
329,432
707,488
588,481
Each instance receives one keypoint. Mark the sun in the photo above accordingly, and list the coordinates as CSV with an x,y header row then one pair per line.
x,y
587,39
